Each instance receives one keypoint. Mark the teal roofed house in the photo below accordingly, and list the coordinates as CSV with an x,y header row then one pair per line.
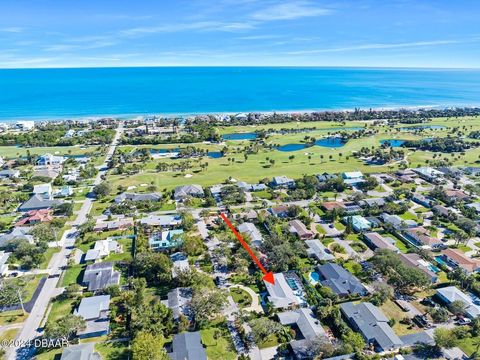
x,y
166,240
359,223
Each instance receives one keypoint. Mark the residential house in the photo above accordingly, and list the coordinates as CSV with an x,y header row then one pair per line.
x,y
397,222
179,263
359,223
369,321
37,202
441,210
108,225
414,260
186,191
187,346
83,351
376,241
318,250
456,195
3,262
165,240
164,221
309,328
18,233
253,233
33,217
450,294
280,211
102,248
422,200
420,237
49,159
342,282
333,205
456,258
353,177
138,197
251,187
94,310
475,206
281,294
64,191
326,176
43,190
351,208
9,174
299,228
25,125
429,174
178,300
283,182
371,202
98,276
46,173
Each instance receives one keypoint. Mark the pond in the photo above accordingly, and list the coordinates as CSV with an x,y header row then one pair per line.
x,y
164,151
240,136
421,127
331,142
292,147
394,143
215,154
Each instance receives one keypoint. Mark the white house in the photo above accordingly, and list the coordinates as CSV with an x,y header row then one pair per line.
x,y
44,190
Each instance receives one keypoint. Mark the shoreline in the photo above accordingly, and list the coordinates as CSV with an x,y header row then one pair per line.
x,y
172,115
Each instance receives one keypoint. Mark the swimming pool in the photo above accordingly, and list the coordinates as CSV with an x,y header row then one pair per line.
x,y
314,278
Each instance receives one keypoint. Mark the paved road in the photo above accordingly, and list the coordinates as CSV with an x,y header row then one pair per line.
x,y
31,328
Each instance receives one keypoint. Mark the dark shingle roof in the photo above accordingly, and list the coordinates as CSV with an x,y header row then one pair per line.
x,y
188,346
340,280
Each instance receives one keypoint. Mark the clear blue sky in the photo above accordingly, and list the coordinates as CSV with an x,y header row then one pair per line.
x,y
391,33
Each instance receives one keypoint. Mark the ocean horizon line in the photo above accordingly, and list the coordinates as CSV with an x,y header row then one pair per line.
x,y
247,66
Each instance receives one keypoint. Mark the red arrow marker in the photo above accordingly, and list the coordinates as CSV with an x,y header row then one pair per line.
x,y
268,276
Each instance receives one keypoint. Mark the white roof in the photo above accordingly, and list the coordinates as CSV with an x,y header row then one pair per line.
x,y
281,294
452,293
42,188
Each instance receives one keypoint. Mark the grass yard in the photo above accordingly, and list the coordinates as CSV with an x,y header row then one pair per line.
x,y
126,255
73,274
398,243
407,215
9,334
49,354
470,346
241,297
270,341
48,256
217,346
60,308
117,350
392,311
12,317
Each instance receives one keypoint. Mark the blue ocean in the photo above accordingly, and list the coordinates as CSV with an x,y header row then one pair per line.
x,y
73,93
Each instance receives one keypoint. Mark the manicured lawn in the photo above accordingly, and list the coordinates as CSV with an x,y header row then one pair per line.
x,y
263,194
48,256
73,274
11,317
241,297
270,341
60,308
353,267
9,334
392,311
463,247
339,226
398,243
126,255
408,216
117,350
320,229
470,345
217,346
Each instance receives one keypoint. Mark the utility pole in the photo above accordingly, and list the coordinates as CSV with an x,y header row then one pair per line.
x,y
21,300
